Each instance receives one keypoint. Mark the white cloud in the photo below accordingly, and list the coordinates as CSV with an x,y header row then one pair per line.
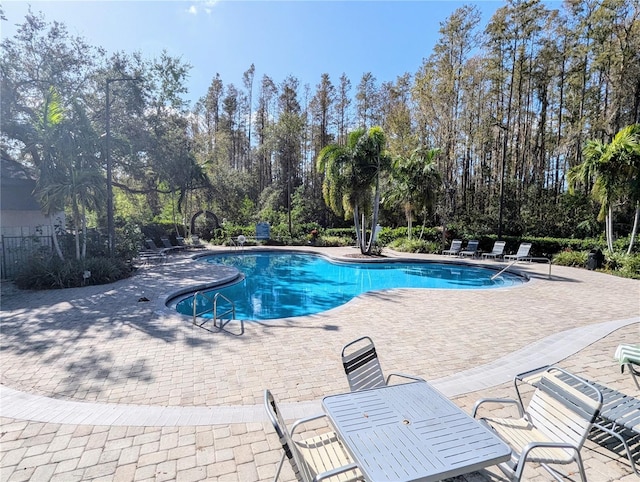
x,y
207,7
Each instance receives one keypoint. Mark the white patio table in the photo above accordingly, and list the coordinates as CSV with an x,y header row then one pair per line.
x,y
411,432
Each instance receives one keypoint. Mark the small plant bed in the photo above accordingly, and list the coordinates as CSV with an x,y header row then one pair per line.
x,y
54,273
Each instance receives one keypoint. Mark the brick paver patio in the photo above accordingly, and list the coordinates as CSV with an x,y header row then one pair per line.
x,y
98,385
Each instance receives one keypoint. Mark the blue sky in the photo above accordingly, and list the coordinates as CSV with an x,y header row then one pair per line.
x,y
301,38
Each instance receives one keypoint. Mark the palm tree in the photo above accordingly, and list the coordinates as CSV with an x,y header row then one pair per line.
x,y
613,171
624,154
351,184
41,144
414,183
69,172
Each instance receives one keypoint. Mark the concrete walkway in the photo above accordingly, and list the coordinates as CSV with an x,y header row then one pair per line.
x,y
97,385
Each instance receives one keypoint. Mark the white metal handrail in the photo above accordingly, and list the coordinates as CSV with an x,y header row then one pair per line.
x,y
527,258
231,310
501,271
216,317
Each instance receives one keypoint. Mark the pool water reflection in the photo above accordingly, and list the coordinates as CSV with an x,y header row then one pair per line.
x,y
287,284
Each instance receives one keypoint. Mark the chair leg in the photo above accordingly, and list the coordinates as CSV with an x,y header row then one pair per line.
x,y
279,468
583,475
615,434
634,374
560,477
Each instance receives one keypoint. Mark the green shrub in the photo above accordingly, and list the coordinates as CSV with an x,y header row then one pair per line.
x,y
334,241
414,246
54,273
622,264
571,258
631,266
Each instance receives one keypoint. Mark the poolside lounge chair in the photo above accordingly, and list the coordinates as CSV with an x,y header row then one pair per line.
x,y
171,247
471,249
196,243
496,252
183,245
554,426
361,365
151,254
619,416
521,255
314,458
152,245
629,357
152,248
454,249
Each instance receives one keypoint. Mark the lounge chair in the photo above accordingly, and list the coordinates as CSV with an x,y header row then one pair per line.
x,y
195,242
152,245
171,247
182,244
553,428
521,255
152,248
151,254
317,458
471,249
619,416
629,357
497,252
361,365
454,249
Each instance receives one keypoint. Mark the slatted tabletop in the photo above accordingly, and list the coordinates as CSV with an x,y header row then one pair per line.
x,y
411,432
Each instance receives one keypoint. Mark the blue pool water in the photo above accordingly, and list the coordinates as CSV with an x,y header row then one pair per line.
x,y
282,285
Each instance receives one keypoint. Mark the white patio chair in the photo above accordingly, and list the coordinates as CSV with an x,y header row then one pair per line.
x,y
317,458
521,255
454,249
497,251
471,249
361,365
554,426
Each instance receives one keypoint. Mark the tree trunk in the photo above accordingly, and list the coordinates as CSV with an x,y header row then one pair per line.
x,y
54,237
363,235
635,228
608,222
376,209
356,223
84,233
77,228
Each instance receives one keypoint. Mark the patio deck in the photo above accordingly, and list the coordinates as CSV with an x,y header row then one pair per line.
x,y
97,385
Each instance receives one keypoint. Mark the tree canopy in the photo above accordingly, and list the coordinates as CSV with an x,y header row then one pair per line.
x,y
512,109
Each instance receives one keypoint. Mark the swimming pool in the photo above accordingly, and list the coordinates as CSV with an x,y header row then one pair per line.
x,y
288,284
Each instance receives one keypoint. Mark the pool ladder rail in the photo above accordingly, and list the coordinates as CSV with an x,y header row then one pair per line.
x,y
219,319
529,259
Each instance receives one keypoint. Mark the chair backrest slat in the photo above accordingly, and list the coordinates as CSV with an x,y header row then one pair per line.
x,y
361,365
523,250
564,411
498,247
